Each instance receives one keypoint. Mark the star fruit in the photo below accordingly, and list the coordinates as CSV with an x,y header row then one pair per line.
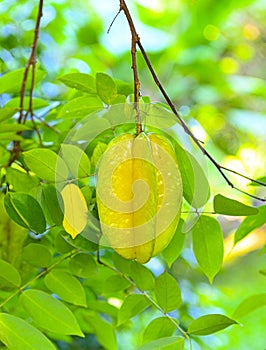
x,y
139,195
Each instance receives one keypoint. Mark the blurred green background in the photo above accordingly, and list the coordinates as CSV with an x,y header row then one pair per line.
x,y
210,56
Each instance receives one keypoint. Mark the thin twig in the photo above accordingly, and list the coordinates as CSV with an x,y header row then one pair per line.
x,y
46,124
244,176
181,330
36,130
35,278
31,63
220,168
147,296
113,21
134,41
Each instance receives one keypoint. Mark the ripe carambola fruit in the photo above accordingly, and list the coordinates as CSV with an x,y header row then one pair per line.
x,y
139,195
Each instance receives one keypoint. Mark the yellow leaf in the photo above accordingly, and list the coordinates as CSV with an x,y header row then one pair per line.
x,y
75,210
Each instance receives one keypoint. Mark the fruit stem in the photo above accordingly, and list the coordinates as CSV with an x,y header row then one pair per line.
x,y
134,43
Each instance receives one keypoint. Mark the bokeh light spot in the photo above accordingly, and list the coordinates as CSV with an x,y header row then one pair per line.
x,y
245,52
211,32
228,65
251,32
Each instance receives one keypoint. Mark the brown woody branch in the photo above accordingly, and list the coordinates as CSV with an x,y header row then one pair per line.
x,y
31,63
220,168
134,42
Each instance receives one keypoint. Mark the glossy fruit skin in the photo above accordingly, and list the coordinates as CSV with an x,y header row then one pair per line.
x,y
139,195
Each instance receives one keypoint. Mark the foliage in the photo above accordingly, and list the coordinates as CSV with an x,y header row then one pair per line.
x,y
61,285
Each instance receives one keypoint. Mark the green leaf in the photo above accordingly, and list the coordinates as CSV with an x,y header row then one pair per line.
x,y
7,113
159,116
37,255
121,116
17,334
83,265
251,223
115,283
52,204
49,313
12,236
207,238
17,206
196,187
104,331
80,107
46,164
167,292
76,160
261,179
160,327
7,127
133,304
227,206
9,275
80,242
20,180
97,153
90,128
11,82
263,250
103,307
61,244
37,103
123,88
106,88
119,99
175,247
250,304
123,265
66,286
87,193
10,137
209,324
142,276
167,343
80,81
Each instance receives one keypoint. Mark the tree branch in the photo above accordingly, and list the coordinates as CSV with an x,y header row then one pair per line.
x,y
31,63
220,168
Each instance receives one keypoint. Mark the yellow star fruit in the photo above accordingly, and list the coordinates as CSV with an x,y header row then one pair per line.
x,y
139,195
